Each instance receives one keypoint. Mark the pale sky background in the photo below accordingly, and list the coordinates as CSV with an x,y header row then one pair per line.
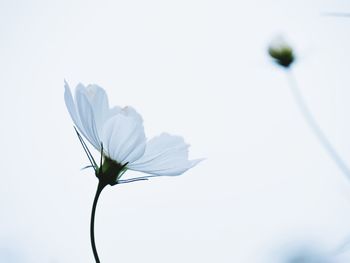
x,y
196,68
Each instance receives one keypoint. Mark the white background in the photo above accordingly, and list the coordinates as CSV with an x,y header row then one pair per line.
x,y
197,68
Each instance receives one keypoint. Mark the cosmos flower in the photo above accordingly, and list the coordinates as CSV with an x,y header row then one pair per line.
x,y
119,135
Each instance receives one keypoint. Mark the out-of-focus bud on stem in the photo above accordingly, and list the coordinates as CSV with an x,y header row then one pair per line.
x,y
281,52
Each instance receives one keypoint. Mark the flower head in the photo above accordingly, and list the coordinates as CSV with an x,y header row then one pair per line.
x,y
281,52
118,134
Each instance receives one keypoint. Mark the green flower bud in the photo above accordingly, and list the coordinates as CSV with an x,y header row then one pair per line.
x,y
281,52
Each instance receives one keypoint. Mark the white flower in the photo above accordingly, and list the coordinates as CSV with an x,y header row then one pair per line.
x,y
121,134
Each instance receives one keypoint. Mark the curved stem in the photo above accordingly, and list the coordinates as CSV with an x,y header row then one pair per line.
x,y
314,125
92,222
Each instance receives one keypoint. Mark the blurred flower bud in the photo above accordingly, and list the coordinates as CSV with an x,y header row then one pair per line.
x,y
281,52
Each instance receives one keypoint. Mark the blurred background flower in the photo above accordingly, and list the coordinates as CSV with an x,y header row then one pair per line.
x,y
281,52
306,254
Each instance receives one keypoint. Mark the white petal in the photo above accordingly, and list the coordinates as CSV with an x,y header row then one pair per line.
x,y
131,112
72,109
113,111
124,138
68,98
98,100
165,155
87,118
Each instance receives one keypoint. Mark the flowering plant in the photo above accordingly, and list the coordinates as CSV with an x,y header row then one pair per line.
x,y
118,134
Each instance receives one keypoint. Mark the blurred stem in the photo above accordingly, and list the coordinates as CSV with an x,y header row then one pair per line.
x,y
343,247
339,14
314,125
92,222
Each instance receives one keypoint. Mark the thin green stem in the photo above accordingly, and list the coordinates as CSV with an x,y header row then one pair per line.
x,y
311,121
92,222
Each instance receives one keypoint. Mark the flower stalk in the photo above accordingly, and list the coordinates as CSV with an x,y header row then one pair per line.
x,y
316,129
100,187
